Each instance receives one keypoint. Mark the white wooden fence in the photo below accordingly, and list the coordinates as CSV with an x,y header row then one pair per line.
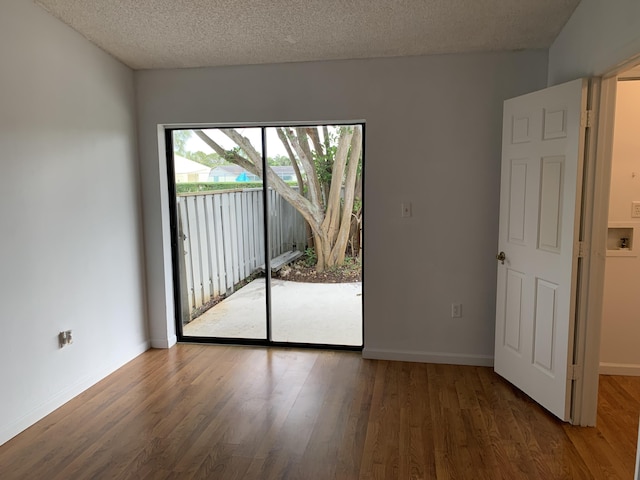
x,y
223,240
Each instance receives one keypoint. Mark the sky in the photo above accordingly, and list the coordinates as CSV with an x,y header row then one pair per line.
x,y
274,145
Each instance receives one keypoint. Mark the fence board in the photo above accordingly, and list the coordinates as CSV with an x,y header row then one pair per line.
x,y
211,251
219,244
227,228
204,246
260,230
235,240
242,235
185,257
193,252
251,227
224,241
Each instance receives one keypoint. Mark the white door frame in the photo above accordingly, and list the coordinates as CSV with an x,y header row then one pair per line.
x,y
596,213
590,287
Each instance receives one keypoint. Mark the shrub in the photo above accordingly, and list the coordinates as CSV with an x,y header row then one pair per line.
x,y
212,186
310,257
196,187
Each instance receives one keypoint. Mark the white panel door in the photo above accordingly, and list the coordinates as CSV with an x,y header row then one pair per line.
x,y
542,158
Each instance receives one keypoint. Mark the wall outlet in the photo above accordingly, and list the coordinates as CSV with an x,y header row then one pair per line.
x,y
456,310
65,338
635,209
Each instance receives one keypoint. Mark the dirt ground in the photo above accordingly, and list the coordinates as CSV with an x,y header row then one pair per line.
x,y
299,271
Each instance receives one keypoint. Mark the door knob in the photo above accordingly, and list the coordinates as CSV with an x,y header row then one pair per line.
x,y
501,256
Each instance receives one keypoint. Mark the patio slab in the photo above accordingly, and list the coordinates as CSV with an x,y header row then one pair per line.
x,y
323,313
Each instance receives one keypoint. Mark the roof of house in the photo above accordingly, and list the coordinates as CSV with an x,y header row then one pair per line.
x,y
183,165
236,170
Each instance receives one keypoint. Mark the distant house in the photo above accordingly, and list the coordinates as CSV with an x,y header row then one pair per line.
x,y
188,171
231,173
235,173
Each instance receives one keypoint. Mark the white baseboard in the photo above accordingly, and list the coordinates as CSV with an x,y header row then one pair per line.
x,y
164,342
429,357
62,397
630,369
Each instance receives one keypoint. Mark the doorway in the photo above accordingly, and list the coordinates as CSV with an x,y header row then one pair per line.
x,y
590,320
620,328
267,233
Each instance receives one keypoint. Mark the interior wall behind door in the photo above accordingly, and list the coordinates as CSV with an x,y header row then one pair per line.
x,y
619,352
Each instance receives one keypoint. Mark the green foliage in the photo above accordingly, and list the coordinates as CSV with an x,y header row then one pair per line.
x,y
310,258
324,163
209,159
351,264
212,186
278,161
180,139
198,187
230,155
357,205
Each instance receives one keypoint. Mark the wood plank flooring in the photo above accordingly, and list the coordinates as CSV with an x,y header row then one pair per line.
x,y
218,412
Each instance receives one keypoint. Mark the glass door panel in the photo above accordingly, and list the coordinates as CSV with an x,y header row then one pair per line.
x,y
316,287
281,265
220,248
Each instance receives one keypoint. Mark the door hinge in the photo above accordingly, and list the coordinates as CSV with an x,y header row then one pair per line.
x,y
586,119
574,372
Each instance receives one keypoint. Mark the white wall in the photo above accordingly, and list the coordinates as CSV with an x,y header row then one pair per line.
x,y
437,119
70,248
619,353
599,35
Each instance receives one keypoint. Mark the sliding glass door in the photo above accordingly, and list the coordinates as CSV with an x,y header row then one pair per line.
x,y
267,226
220,236
316,288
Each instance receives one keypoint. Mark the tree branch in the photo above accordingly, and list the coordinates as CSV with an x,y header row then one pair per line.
x,y
308,166
315,139
338,252
245,144
313,214
230,155
296,168
327,141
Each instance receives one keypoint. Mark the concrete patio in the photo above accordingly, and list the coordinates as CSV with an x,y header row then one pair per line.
x,y
322,313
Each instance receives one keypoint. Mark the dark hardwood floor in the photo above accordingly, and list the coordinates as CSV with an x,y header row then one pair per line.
x,y
218,412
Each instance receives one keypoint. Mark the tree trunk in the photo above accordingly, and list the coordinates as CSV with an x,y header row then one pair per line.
x,y
354,234
340,246
329,229
296,168
332,214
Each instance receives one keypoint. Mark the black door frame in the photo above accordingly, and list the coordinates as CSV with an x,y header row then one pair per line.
x,y
175,251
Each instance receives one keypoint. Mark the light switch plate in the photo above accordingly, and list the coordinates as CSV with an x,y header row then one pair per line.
x,y
406,209
635,209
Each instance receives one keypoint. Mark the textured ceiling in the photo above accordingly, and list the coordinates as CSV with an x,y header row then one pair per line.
x,y
196,33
